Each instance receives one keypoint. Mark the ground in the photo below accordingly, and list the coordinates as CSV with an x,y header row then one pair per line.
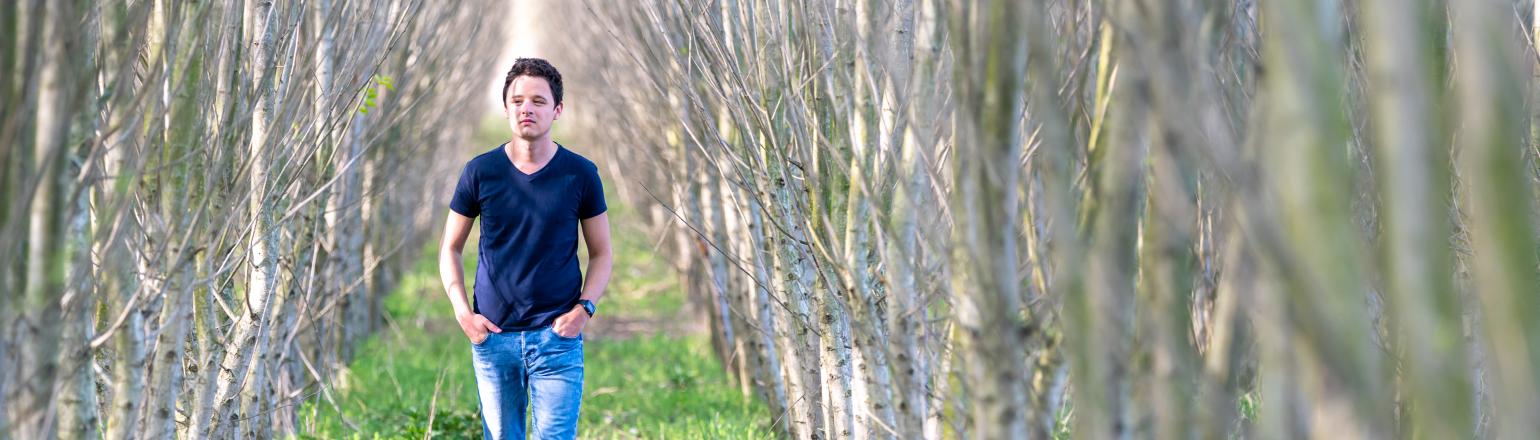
x,y
649,373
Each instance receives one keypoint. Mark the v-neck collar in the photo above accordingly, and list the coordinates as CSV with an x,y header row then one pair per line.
x,y
503,149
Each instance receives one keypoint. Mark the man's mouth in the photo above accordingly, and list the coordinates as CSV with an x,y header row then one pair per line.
x,y
526,121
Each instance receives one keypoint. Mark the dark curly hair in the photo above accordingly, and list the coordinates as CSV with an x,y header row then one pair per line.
x,y
535,67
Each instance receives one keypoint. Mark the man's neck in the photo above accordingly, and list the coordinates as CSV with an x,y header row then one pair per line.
x,y
531,151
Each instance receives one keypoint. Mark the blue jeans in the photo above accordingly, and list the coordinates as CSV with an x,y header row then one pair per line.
x,y
515,368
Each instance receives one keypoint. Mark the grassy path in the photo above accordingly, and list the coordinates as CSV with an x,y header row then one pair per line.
x,y
647,375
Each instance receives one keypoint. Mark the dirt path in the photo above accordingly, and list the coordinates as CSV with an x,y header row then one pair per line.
x,y
624,327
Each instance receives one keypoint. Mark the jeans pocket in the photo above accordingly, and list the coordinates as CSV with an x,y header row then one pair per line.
x,y
483,340
552,329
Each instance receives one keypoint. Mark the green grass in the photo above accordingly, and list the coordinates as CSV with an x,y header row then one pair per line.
x,y
640,287
642,387
662,387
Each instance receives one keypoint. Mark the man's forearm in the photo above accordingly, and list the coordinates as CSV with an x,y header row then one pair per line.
x,y
598,278
452,274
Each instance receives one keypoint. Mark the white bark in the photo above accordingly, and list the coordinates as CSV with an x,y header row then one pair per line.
x,y
166,383
992,60
79,411
795,340
261,263
211,349
772,340
834,350
78,405
1413,165
352,244
37,362
121,287
1497,191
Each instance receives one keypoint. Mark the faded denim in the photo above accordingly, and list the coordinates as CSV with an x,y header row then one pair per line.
x,y
516,368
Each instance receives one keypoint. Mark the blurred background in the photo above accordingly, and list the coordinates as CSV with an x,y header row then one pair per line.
x,y
833,219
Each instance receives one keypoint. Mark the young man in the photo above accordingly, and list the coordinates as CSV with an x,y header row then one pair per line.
x,y
526,325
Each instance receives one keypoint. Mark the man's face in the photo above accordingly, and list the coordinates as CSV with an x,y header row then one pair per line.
x,y
530,107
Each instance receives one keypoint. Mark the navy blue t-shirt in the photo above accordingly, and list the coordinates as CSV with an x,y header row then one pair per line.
x,y
527,271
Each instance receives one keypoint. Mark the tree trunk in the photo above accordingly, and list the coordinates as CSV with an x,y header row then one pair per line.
x,y
776,370
39,324
1496,193
1321,281
245,344
988,138
1413,173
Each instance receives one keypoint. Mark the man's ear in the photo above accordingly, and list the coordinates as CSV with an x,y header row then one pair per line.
x,y
558,111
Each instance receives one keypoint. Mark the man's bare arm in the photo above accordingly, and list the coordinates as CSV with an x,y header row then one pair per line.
x,y
452,273
596,233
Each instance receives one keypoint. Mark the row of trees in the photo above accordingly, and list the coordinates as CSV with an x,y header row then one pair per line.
x,y
204,202
1171,218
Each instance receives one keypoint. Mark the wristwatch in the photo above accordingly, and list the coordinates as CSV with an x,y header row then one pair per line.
x,y
588,306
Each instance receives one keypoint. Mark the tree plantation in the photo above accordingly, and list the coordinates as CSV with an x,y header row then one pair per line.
x,y
1096,218
203,199
996,219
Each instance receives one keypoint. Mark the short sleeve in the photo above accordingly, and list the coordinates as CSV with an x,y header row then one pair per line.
x,y
593,196
464,201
